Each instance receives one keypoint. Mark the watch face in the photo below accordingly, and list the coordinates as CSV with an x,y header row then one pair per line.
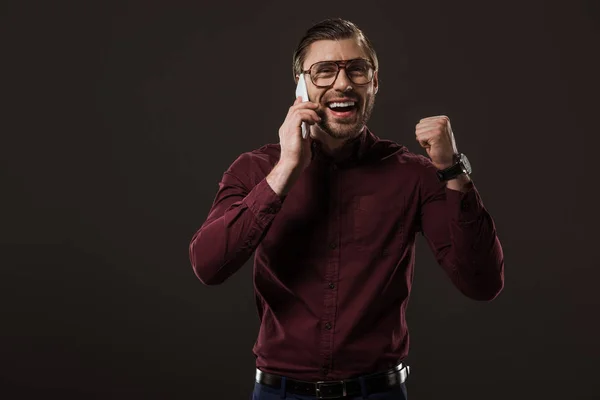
x,y
465,161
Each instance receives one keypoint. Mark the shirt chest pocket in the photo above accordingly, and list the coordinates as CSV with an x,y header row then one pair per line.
x,y
378,223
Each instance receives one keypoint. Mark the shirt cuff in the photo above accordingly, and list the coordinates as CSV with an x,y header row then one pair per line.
x,y
466,206
264,202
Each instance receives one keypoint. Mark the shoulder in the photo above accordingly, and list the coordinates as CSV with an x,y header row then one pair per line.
x,y
255,164
266,155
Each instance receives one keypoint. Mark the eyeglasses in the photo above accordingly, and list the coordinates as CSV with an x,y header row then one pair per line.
x,y
324,73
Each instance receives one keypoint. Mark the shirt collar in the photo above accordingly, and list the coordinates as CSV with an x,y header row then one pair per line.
x,y
351,152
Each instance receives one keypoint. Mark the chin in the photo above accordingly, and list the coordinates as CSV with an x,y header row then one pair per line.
x,y
342,131
343,134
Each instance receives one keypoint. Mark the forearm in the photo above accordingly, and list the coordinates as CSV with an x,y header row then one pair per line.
x,y
477,262
282,177
463,237
230,236
221,248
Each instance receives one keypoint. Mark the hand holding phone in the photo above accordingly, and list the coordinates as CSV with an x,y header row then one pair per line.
x,y
296,150
303,92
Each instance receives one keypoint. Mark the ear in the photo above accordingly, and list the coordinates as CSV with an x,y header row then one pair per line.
x,y
296,79
376,82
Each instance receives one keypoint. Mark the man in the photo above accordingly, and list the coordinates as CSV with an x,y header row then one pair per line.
x,y
333,220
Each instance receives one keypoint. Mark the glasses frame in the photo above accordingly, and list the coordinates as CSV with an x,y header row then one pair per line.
x,y
341,64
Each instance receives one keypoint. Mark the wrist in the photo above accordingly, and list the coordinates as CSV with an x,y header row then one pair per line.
x,y
461,183
460,167
287,166
282,177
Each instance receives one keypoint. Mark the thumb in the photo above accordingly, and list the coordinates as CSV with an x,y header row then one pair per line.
x,y
424,144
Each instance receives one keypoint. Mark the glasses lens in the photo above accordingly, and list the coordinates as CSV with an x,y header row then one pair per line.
x,y
359,71
324,73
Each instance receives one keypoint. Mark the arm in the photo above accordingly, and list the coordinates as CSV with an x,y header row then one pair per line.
x,y
241,214
462,235
238,220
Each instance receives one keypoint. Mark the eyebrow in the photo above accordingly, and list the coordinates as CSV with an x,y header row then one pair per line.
x,y
350,59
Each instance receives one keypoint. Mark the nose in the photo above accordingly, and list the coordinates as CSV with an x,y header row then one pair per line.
x,y
342,81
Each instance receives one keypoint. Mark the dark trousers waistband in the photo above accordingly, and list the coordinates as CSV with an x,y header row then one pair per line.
x,y
363,385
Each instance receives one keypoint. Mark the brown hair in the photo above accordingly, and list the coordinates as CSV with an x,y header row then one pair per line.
x,y
331,29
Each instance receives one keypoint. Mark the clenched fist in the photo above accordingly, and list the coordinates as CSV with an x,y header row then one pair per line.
x,y
435,135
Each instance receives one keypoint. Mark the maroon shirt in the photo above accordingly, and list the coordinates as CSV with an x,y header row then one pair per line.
x,y
334,257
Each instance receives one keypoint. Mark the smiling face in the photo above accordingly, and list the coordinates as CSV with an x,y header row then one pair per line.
x,y
340,125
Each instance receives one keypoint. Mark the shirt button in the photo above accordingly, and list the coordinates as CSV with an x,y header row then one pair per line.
x,y
333,245
328,326
331,285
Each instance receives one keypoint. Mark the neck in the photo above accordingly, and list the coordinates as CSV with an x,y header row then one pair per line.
x,y
336,148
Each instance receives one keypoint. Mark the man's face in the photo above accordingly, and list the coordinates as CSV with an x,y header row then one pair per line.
x,y
337,125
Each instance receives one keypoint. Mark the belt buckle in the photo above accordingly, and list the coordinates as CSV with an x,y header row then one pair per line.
x,y
321,384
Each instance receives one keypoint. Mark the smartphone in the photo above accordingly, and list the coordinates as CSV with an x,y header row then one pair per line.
x,y
302,91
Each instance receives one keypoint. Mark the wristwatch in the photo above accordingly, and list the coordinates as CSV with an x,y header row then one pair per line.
x,y
461,166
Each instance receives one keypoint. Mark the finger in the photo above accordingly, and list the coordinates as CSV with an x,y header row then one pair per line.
x,y
430,135
433,139
430,131
296,101
435,130
424,144
299,104
435,117
424,135
308,116
305,104
434,122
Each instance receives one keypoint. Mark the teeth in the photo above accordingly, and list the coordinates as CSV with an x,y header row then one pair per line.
x,y
346,104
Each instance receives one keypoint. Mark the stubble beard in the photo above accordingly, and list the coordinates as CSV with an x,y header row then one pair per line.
x,y
340,129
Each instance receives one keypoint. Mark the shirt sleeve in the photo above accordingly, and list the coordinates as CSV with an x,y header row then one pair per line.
x,y
237,221
462,235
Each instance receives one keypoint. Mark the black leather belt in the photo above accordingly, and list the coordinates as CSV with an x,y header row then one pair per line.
x,y
374,383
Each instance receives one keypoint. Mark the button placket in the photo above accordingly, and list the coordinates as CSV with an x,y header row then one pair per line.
x,y
331,271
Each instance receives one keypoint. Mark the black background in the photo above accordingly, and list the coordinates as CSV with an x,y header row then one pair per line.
x,y
119,119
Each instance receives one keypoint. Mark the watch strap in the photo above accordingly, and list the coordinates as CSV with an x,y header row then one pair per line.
x,y
453,171
450,172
